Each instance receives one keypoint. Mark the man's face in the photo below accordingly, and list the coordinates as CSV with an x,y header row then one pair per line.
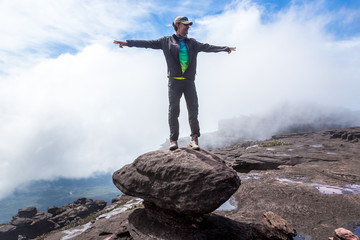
x,y
183,29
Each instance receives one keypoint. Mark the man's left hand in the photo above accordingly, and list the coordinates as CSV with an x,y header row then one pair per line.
x,y
232,49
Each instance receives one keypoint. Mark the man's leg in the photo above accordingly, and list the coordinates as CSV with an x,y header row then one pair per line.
x,y
192,106
175,92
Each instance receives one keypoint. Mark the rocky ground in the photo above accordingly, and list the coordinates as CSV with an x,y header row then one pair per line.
x,y
310,180
30,222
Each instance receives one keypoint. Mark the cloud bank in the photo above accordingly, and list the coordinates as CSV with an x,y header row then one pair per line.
x,y
291,58
96,108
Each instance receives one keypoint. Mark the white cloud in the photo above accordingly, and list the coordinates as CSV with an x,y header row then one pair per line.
x,y
97,109
79,114
291,58
32,30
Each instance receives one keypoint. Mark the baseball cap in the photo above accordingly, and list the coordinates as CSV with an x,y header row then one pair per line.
x,y
183,20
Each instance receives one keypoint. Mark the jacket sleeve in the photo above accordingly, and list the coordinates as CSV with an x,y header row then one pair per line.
x,y
154,44
205,47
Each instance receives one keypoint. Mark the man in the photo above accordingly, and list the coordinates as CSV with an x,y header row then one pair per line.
x,y
180,54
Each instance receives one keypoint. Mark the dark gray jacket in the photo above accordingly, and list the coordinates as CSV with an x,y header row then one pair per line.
x,y
170,46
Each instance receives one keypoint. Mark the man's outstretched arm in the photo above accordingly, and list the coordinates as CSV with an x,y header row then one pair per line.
x,y
205,47
154,44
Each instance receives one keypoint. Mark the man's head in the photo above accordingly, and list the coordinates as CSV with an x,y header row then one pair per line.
x,y
181,25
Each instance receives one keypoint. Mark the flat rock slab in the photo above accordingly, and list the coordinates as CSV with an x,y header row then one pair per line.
x,y
184,181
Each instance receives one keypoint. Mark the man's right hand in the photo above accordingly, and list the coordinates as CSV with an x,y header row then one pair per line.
x,y
121,43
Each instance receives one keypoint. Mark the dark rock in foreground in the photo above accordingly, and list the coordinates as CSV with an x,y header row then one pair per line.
x,y
183,181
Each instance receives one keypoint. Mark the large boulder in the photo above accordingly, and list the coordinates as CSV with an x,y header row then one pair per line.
x,y
184,181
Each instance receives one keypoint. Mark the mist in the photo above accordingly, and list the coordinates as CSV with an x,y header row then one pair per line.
x,y
94,110
285,118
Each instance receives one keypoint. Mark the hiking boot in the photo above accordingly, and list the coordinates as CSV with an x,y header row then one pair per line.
x,y
173,145
194,143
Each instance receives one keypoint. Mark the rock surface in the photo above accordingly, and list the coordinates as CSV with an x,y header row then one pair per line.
x,y
310,179
185,181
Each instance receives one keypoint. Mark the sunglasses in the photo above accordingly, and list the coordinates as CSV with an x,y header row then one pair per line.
x,y
183,19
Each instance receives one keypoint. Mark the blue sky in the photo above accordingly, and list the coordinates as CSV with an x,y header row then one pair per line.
x,y
72,104
152,18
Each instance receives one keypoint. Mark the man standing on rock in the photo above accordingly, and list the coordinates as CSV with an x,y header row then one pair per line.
x,y
180,54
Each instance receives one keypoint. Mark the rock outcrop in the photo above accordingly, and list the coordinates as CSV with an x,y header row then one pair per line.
x,y
292,149
31,222
28,223
180,188
73,212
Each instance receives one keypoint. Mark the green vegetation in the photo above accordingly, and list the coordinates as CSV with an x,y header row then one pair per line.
x,y
274,143
217,214
135,207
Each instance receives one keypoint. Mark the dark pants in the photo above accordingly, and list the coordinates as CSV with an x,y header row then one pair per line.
x,y
176,89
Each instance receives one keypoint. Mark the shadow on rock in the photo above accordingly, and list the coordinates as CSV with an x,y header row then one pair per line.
x,y
143,225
